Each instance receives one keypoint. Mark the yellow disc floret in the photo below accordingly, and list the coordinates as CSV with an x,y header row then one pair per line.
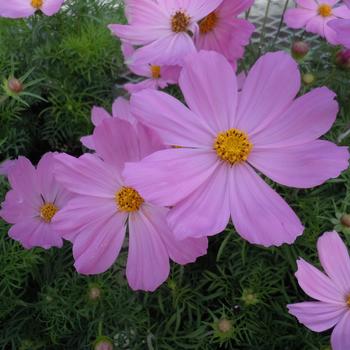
x,y
233,146
348,301
156,72
208,23
325,10
128,199
180,22
37,4
48,211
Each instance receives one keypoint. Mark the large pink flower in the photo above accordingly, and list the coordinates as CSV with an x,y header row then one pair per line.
x,y
314,15
33,201
223,32
158,77
217,142
26,8
165,29
342,29
105,205
332,290
120,109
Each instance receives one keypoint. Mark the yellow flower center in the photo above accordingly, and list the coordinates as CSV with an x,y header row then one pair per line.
x,y
348,301
208,23
128,199
156,72
233,146
37,4
325,10
48,211
180,22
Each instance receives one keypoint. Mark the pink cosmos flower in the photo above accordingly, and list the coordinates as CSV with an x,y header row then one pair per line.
x,y
105,205
314,16
218,142
331,289
120,109
223,32
159,77
26,8
33,201
164,29
342,29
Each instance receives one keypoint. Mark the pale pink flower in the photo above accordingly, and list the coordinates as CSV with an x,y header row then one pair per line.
x,y
224,32
218,142
26,8
163,29
158,77
120,109
331,290
314,16
342,29
105,206
33,201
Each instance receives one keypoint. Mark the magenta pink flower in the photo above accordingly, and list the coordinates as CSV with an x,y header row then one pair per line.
x,y
33,201
26,8
342,29
223,32
332,290
159,77
120,109
314,16
105,205
164,29
218,142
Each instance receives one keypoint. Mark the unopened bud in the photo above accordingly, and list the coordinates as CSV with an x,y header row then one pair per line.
x,y
308,78
94,293
15,85
103,344
249,297
342,59
300,49
345,220
225,326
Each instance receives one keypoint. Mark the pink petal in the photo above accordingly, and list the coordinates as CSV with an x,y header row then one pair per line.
x,y
209,85
340,337
50,7
98,115
302,166
99,244
148,260
206,211
342,29
198,9
335,260
269,89
234,7
149,142
341,12
16,9
169,50
166,177
299,17
316,25
121,110
258,213
132,88
317,316
175,123
330,34
308,117
317,285
308,4
87,175
88,142
144,12
6,166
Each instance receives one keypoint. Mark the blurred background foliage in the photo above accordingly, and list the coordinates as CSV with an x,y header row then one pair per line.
x,y
233,298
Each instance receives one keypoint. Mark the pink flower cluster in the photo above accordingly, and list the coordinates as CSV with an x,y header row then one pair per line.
x,y
162,175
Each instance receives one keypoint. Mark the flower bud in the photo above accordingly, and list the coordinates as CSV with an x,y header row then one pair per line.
x,y
345,220
94,293
249,297
225,326
300,49
308,78
15,85
342,59
103,343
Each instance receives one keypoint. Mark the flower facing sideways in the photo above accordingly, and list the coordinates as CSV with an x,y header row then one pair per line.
x,y
163,29
208,175
105,205
32,203
331,290
314,16
223,32
26,8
